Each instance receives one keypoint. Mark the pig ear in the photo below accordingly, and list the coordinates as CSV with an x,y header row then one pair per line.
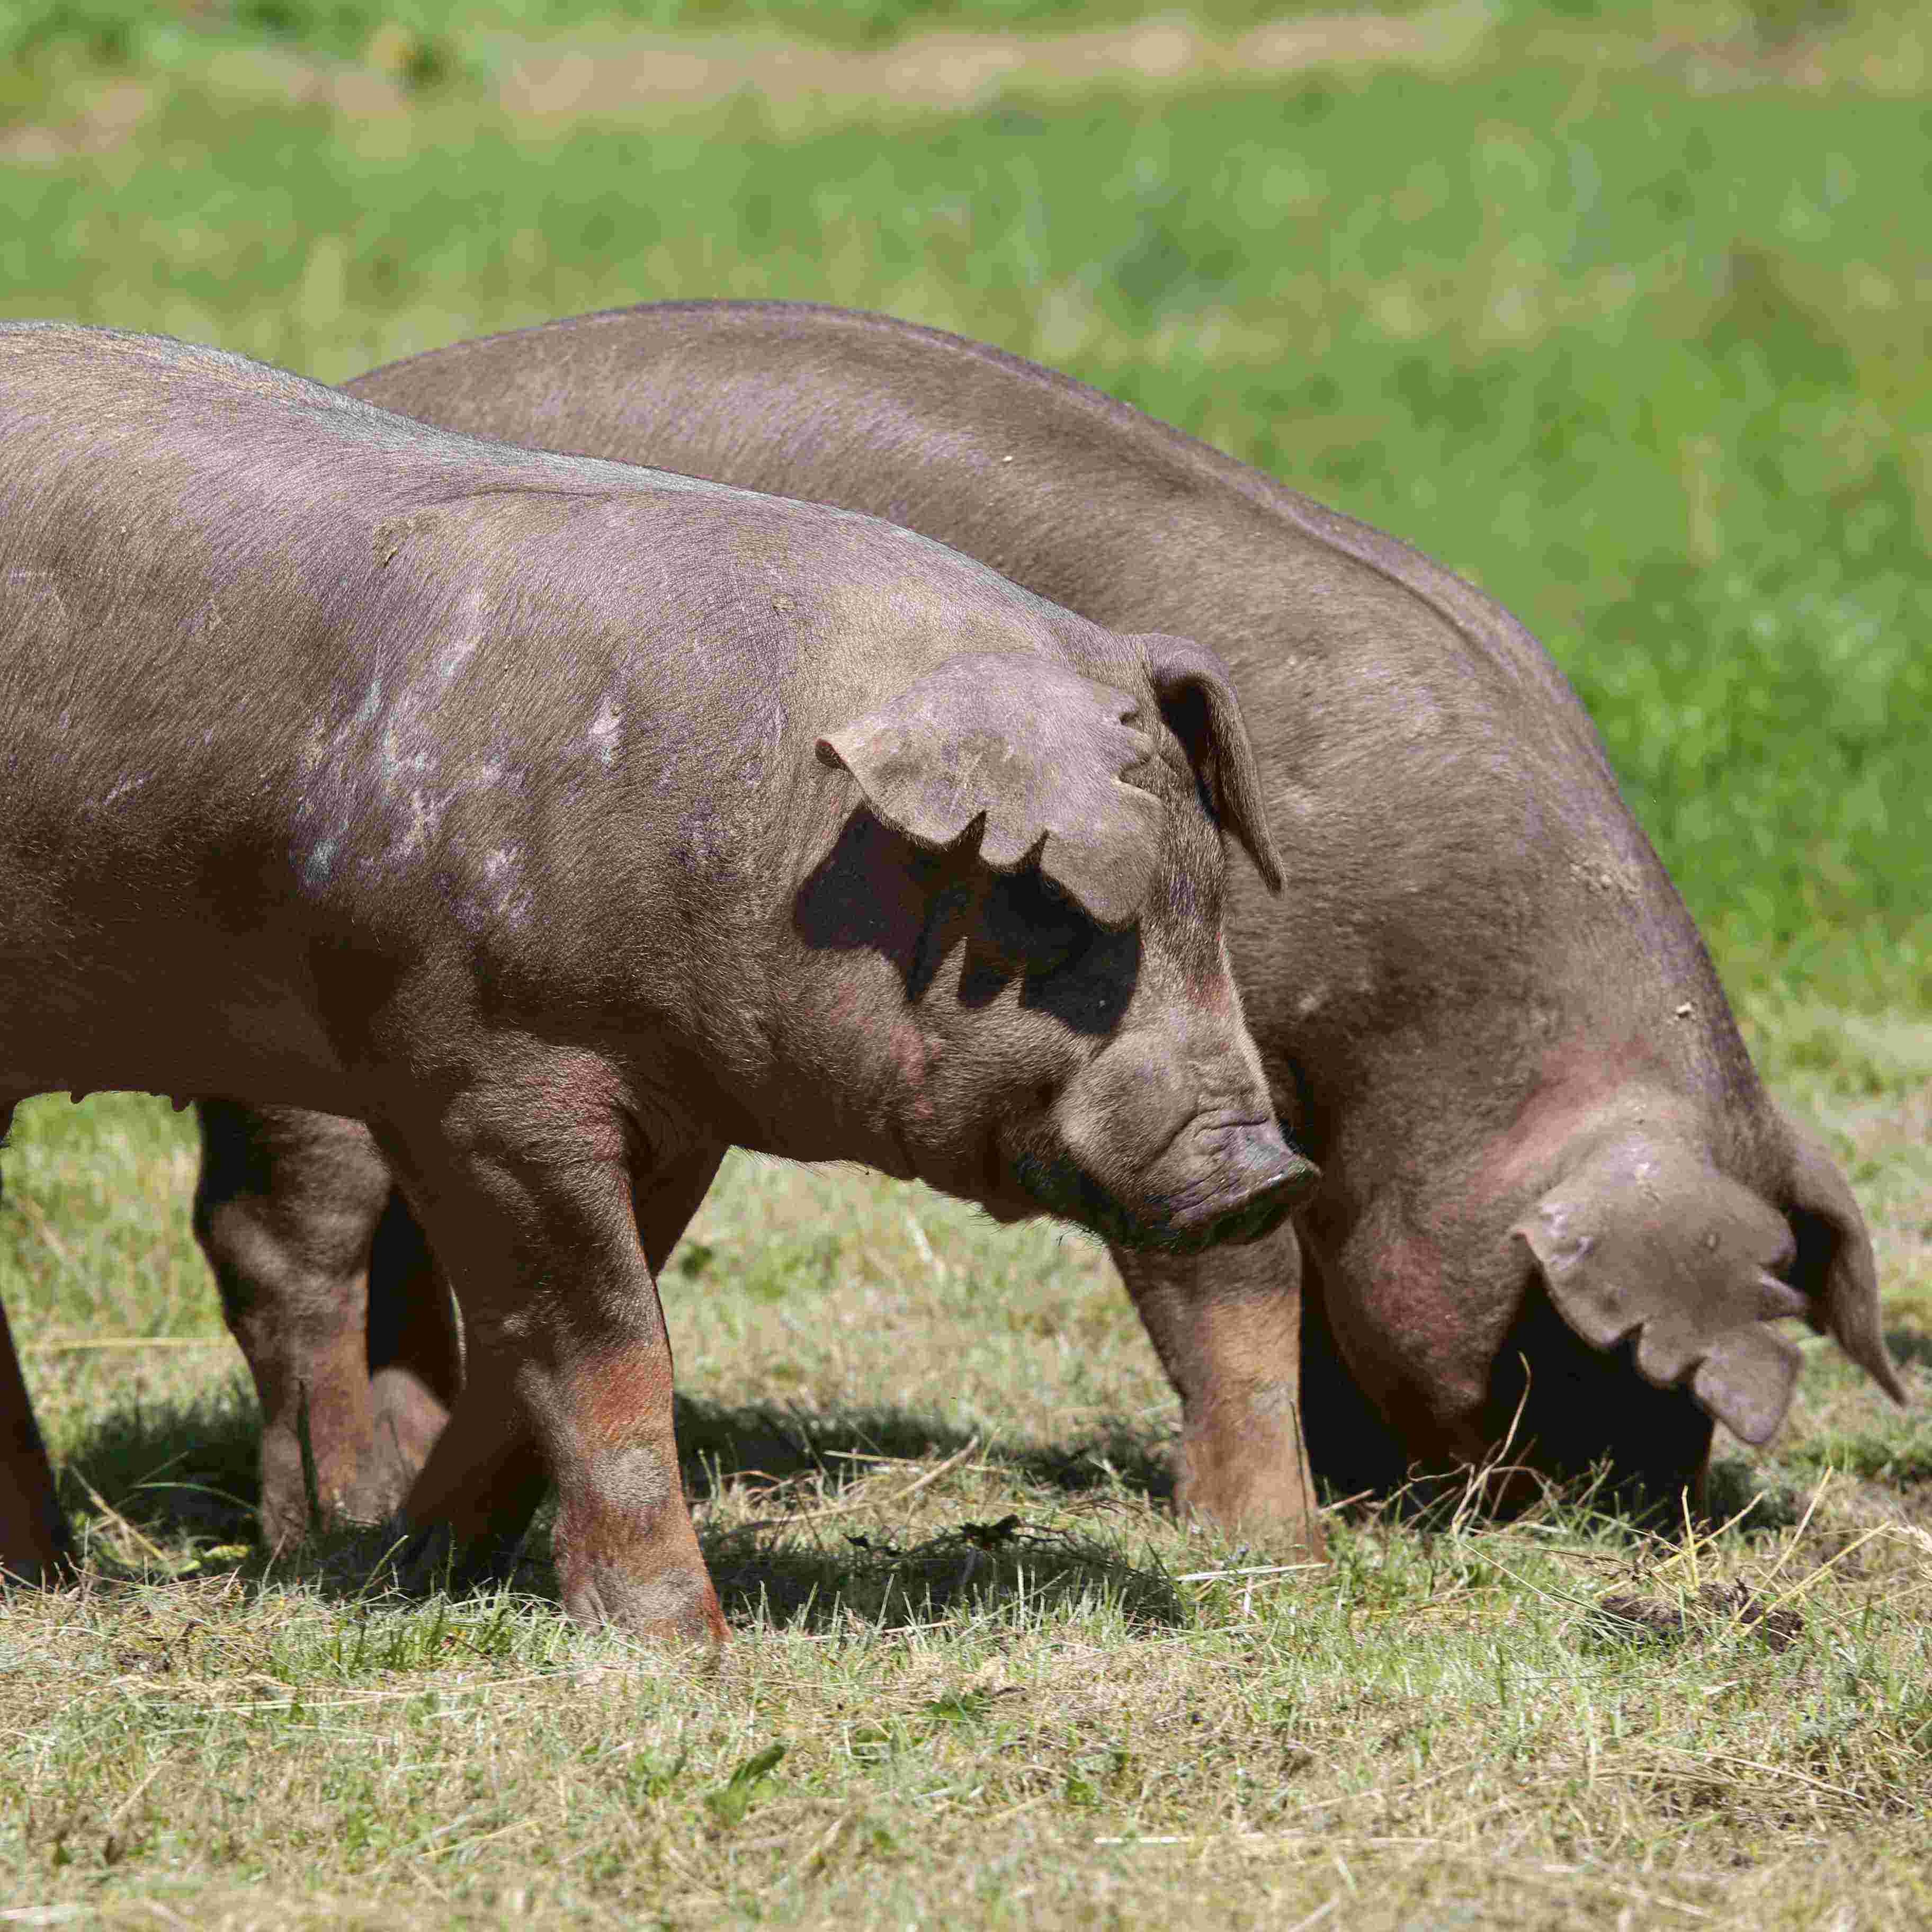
x,y
1644,1238
1031,753
1835,1270
1197,699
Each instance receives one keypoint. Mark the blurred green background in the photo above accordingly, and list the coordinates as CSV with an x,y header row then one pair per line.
x,y
1622,311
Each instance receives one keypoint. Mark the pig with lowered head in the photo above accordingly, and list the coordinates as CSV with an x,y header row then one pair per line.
x,y
568,824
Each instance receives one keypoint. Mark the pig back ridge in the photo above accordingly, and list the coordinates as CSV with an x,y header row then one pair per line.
x,y
193,435
188,459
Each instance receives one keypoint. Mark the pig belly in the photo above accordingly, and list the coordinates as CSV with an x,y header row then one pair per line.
x,y
159,1018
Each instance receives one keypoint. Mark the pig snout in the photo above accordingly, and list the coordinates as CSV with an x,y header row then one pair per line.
x,y
1265,1178
1159,1147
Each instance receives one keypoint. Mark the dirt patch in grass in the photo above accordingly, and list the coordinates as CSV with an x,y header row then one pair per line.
x,y
952,69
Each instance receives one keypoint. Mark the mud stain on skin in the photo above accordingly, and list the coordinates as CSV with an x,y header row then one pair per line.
x,y
611,1391
943,69
629,1467
606,734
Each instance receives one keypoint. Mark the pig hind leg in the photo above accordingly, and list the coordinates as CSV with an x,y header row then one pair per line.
x,y
286,1208
1226,1324
34,1544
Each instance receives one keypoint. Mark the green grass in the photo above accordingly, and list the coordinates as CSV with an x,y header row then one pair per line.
x,y
1621,311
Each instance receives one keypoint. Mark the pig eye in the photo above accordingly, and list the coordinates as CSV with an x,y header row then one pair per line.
x,y
1035,924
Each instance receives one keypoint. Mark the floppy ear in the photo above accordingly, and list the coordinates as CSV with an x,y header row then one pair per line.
x,y
1197,699
1029,750
1835,1270
1642,1238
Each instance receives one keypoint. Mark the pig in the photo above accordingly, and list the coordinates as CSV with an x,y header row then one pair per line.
x,y
1558,1211
568,823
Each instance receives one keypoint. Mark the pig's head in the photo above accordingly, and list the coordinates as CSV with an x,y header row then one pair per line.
x,y
1036,853
1607,1286
1657,1262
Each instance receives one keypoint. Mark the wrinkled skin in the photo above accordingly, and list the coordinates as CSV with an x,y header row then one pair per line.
x,y
1478,971
568,823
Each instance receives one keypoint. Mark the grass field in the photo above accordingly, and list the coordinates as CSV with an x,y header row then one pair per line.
x,y
1624,312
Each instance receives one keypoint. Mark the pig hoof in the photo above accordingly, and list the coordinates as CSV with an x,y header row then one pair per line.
x,y
433,1559
420,1560
38,1572
1282,1528
676,1607
409,1419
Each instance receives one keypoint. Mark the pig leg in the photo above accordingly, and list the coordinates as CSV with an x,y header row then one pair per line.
x,y
297,1215
285,1207
34,1545
1227,1326
1354,1450
415,1347
568,1367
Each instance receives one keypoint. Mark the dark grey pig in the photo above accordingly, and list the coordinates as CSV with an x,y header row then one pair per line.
x,y
1482,1007
568,824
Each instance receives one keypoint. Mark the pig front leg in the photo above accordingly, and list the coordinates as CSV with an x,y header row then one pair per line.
x,y
554,1244
1227,1326
287,1210
35,1545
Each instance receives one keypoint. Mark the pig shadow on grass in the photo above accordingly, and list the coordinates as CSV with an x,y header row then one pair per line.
x,y
720,1443
814,1574
184,1475
181,1472
830,1576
